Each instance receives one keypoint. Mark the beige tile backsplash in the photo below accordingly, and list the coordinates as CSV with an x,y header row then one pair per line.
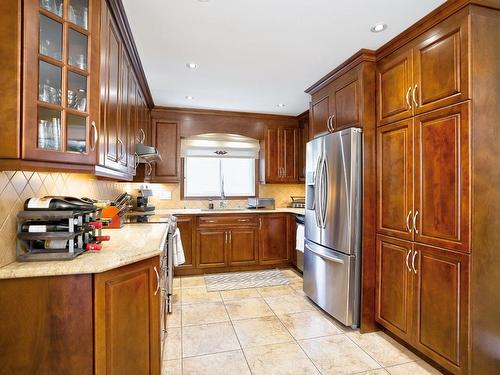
x,y
17,186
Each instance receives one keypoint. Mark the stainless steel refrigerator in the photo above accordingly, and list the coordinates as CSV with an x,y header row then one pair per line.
x,y
332,250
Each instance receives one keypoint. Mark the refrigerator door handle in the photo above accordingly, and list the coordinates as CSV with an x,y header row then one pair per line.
x,y
324,190
324,256
317,192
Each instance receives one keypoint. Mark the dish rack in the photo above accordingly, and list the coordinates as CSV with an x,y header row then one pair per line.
x,y
75,239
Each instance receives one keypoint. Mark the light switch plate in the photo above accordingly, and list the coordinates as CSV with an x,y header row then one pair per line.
x,y
165,195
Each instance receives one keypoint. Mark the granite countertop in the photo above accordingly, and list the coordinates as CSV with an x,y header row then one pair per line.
x,y
198,211
130,244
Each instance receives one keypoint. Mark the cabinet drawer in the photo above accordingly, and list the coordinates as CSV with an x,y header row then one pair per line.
x,y
233,220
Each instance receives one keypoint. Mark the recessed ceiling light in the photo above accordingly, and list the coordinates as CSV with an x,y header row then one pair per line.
x,y
192,65
378,27
281,105
189,97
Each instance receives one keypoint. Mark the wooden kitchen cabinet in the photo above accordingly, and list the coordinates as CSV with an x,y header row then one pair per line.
x,y
345,101
274,246
430,73
243,247
395,179
211,245
441,304
320,113
187,225
166,138
127,319
442,178
105,323
281,155
60,113
394,286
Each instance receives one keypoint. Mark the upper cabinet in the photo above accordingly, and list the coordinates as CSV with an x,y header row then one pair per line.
x,y
430,73
280,155
339,101
61,81
166,138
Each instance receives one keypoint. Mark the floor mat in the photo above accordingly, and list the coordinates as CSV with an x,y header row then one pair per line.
x,y
243,280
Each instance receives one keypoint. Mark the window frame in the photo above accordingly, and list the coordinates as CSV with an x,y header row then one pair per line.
x,y
197,198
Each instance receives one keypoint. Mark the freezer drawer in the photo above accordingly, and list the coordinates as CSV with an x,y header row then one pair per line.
x,y
330,281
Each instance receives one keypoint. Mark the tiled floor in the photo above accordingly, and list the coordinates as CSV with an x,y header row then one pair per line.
x,y
272,330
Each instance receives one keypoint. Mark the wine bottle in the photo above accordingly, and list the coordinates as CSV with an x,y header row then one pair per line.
x,y
48,203
93,246
50,226
94,239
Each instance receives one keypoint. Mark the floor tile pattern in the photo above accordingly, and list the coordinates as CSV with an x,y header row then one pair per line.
x,y
271,330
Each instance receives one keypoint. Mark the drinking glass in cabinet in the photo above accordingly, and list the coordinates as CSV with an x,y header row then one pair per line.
x,y
49,83
77,92
78,12
77,49
50,37
49,129
77,133
53,6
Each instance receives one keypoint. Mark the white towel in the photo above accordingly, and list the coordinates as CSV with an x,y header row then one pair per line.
x,y
178,250
299,245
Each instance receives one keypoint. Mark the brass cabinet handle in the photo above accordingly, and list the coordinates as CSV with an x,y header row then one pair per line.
x,y
230,237
407,259
260,223
149,169
243,220
415,222
332,123
95,135
328,122
408,97
142,136
413,261
122,153
408,221
210,221
157,281
413,95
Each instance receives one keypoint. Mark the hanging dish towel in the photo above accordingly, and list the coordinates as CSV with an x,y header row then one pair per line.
x,y
178,252
299,245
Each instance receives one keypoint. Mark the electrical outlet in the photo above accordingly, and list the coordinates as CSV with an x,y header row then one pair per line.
x,y
165,195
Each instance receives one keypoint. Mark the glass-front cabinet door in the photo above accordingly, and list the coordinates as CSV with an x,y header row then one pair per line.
x,y
61,82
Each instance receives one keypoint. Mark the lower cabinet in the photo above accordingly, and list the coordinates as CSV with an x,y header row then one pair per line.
x,y
422,297
211,248
127,319
187,226
274,244
243,247
106,323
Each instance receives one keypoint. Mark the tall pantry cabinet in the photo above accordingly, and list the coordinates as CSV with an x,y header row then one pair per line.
x,y
431,164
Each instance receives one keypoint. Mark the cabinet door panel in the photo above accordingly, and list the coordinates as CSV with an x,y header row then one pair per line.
x,y
320,111
186,227
166,139
273,239
441,65
395,179
346,102
441,299
393,288
211,245
442,178
394,79
289,149
136,334
273,155
244,248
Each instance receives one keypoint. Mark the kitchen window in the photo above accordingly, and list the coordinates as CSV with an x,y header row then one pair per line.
x,y
216,165
213,177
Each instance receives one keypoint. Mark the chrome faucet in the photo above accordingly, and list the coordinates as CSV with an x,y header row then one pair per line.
x,y
222,202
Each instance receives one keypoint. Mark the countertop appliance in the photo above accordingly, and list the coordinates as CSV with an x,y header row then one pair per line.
x,y
143,200
263,203
332,250
298,201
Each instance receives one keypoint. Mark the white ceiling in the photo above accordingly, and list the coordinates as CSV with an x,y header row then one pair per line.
x,y
254,54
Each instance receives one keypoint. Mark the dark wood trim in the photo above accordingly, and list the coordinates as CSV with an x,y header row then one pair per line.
x,y
42,166
303,115
157,110
118,12
359,57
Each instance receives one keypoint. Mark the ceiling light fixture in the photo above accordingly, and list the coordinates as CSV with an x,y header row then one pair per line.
x,y
281,105
189,97
191,65
378,27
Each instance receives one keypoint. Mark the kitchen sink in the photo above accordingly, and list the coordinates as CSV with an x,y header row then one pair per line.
x,y
223,209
